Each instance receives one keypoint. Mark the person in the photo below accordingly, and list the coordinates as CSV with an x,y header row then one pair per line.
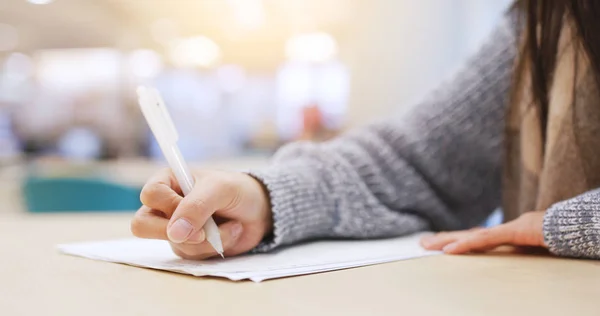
x,y
517,128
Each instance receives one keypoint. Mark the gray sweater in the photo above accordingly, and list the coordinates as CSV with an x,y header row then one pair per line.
x,y
436,166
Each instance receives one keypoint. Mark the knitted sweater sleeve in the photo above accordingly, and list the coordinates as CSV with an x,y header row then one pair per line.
x,y
572,227
434,167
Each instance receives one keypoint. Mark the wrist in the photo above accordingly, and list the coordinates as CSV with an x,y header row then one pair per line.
x,y
264,205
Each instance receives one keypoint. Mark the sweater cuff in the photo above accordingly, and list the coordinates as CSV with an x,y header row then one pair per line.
x,y
572,229
298,203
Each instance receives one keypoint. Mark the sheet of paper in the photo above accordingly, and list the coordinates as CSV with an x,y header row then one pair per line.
x,y
301,259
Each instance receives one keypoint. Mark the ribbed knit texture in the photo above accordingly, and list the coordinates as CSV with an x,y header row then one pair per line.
x,y
436,166
572,227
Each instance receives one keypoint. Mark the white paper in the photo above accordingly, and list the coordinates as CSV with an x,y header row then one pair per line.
x,y
301,259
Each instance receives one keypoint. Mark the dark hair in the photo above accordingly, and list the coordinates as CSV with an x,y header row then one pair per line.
x,y
542,22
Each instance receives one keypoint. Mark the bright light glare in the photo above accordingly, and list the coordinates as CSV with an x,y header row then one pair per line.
x,y
40,1
250,14
72,69
145,63
311,47
8,37
199,51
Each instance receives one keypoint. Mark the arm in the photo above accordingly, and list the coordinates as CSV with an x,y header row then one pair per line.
x,y
437,166
572,227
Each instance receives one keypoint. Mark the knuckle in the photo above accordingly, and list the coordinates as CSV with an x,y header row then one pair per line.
x,y
149,192
137,226
484,233
195,204
442,234
222,184
175,200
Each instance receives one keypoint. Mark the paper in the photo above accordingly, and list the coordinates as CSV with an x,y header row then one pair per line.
x,y
301,259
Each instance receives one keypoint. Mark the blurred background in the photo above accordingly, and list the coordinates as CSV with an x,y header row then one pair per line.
x,y
240,77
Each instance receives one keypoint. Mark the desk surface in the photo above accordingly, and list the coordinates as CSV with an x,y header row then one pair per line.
x,y
35,280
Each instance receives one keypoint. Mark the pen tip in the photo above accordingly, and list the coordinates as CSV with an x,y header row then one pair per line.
x,y
222,256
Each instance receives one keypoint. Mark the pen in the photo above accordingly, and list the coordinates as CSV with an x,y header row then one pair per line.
x,y
161,124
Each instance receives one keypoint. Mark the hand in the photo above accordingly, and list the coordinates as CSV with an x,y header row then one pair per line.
x,y
527,230
238,202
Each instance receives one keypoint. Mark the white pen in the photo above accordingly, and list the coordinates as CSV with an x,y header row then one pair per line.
x,y
159,120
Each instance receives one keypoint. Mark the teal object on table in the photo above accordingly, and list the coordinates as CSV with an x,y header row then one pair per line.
x,y
78,194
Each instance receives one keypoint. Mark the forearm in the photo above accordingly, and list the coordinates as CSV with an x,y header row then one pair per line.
x,y
572,227
436,166
319,195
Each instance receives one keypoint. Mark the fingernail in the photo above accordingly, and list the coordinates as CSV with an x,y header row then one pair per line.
x,y
197,237
236,230
450,247
180,231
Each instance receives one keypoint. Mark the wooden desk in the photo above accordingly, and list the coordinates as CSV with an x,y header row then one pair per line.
x,y
36,280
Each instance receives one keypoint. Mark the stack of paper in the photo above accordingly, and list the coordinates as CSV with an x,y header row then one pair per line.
x,y
307,258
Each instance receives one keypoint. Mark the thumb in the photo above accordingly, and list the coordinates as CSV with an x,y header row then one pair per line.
x,y
191,214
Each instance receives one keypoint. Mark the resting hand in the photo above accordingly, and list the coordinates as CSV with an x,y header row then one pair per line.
x,y
527,230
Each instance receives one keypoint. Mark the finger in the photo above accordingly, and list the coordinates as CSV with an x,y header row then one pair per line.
x,y
198,237
161,192
484,249
230,234
207,196
439,240
485,239
148,224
